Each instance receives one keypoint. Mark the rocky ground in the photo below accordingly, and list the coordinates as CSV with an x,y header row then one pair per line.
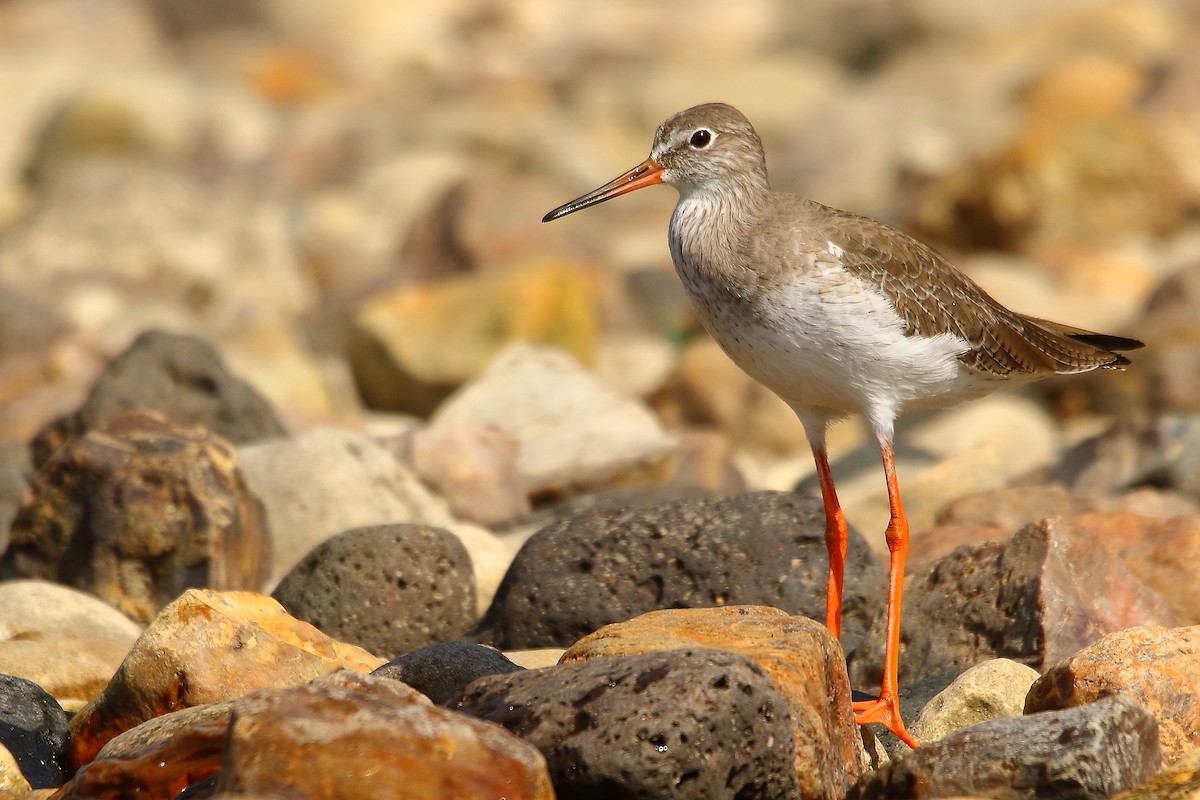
x,y
327,471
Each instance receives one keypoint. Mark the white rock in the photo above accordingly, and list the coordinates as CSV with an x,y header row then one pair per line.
x,y
571,429
68,642
995,688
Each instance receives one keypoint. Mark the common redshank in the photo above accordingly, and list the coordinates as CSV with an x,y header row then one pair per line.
x,y
837,314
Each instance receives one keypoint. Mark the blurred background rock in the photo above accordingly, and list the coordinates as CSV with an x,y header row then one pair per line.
x,y
344,198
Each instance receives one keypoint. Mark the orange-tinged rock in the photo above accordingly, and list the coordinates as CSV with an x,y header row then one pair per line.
x,y
341,736
1180,781
800,656
1154,666
206,647
1163,553
353,736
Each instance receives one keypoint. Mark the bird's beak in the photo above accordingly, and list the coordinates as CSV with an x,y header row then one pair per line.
x,y
646,173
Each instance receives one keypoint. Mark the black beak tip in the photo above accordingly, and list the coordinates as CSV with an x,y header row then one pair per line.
x,y
558,213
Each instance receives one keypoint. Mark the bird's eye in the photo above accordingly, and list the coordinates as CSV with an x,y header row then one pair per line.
x,y
701,138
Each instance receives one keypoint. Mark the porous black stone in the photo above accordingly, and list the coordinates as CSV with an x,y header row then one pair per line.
x,y
33,727
1083,753
440,671
389,589
604,566
183,378
685,724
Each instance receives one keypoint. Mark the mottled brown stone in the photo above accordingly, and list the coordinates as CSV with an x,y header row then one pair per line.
x,y
138,510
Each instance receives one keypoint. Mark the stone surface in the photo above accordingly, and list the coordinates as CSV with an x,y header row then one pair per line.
x,y
183,378
1159,451
340,736
330,480
1040,188
1036,599
1180,781
1013,507
205,647
765,548
12,782
1156,667
474,468
800,657
992,689
137,510
712,390
414,344
394,746
67,642
1092,751
16,476
387,588
685,723
571,430
1163,552
440,671
33,728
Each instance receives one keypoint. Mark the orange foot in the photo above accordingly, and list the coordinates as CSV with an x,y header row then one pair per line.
x,y
885,711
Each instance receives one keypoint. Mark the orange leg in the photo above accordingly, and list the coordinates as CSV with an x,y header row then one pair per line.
x,y
885,710
835,542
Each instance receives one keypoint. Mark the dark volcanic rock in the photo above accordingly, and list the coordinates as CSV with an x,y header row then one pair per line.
x,y
139,510
386,588
604,566
682,724
440,671
183,378
1036,599
1092,751
34,729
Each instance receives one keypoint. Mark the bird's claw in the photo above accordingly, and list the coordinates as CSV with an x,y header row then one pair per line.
x,y
885,711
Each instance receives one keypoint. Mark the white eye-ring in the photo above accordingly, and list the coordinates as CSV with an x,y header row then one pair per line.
x,y
701,138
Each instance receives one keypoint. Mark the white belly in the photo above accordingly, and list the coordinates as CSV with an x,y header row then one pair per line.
x,y
832,344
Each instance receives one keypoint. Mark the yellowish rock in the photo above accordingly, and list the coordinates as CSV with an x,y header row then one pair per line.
x,y
203,648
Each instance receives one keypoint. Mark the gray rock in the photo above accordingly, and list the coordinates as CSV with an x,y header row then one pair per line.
x,y
1036,599
33,727
183,378
763,548
685,724
1092,751
388,588
440,671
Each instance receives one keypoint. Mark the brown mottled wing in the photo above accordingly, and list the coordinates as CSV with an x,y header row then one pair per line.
x,y
933,297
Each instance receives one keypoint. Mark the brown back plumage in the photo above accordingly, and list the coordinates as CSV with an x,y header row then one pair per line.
x,y
933,297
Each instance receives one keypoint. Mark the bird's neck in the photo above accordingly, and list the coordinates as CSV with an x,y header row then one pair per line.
x,y
709,224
